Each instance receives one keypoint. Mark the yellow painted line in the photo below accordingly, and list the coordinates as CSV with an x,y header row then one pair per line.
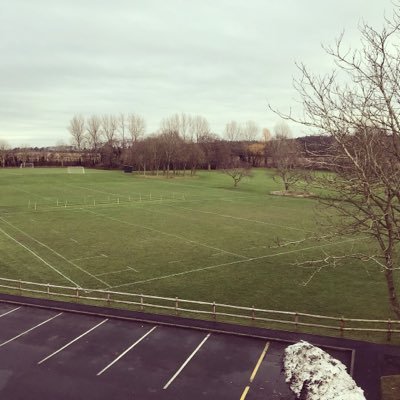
x,y
259,362
244,394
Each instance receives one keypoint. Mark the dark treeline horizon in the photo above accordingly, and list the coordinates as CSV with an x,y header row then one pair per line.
x,y
182,143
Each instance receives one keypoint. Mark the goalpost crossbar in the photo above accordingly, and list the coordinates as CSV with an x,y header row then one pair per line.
x,y
76,170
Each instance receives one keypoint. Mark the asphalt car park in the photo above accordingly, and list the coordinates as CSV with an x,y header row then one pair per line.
x,y
52,354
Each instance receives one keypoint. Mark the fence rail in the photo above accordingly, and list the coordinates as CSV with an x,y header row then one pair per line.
x,y
212,309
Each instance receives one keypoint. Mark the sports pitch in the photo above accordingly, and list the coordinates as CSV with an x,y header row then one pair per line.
x,y
192,237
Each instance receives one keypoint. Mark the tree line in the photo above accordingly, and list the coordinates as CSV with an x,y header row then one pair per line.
x,y
182,143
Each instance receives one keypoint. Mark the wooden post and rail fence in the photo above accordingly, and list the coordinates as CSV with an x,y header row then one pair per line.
x,y
213,310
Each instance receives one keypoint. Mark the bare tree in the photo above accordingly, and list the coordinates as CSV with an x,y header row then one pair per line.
x,y
250,131
109,128
4,149
199,128
266,135
170,124
207,144
282,130
362,117
93,128
237,170
121,127
77,130
284,152
109,125
136,126
232,131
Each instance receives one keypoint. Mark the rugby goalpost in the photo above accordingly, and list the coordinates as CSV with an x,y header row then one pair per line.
x,y
75,170
27,165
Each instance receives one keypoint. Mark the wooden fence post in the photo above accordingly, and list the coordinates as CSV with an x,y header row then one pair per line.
x,y
296,320
141,302
176,305
389,331
341,326
214,310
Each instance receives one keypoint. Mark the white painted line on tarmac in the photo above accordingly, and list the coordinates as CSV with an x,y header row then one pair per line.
x,y
29,330
9,312
126,351
186,362
72,341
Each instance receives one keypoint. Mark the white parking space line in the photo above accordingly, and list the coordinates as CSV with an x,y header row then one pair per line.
x,y
29,330
126,351
9,312
72,341
186,362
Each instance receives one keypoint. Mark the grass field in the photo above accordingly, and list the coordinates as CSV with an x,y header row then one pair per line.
x,y
196,238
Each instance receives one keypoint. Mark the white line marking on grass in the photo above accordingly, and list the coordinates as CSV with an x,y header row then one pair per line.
x,y
174,262
29,330
98,206
9,312
38,257
232,263
89,258
33,194
55,252
126,351
74,240
242,219
72,341
163,233
117,272
99,191
186,362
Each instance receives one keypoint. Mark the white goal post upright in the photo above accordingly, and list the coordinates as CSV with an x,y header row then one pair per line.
x,y
27,165
76,170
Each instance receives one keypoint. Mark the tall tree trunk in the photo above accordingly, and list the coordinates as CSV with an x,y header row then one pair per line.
x,y
393,299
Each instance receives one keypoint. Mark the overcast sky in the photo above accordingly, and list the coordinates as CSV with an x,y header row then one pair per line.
x,y
225,60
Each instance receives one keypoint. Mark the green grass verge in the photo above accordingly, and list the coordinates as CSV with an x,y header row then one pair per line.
x,y
390,387
195,238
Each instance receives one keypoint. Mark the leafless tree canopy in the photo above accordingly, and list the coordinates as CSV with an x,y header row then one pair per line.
x,y
109,126
358,106
4,148
285,155
237,170
77,130
136,126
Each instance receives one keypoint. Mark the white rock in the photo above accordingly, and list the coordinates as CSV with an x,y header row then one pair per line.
x,y
314,375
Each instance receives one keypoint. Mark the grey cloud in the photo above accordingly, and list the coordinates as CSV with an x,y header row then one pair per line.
x,y
223,59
